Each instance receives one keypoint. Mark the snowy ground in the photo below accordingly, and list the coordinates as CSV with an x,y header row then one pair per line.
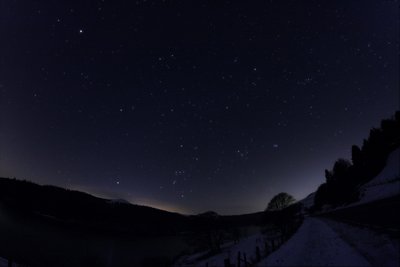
x,y
318,242
3,262
229,250
315,244
323,242
378,248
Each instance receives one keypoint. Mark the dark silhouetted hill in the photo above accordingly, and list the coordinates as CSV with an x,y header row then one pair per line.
x,y
74,208
81,210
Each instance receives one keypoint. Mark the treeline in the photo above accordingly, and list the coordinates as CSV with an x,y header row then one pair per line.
x,y
343,181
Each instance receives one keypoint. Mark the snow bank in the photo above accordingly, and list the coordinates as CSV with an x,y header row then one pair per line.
x,y
385,184
315,244
246,245
380,249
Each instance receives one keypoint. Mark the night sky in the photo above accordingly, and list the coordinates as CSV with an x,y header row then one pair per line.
x,y
192,106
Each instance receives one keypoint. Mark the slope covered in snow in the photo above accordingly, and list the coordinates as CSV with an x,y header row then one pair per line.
x,y
390,172
385,184
308,201
315,244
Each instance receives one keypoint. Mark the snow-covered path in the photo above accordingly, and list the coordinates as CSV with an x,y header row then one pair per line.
x,y
315,244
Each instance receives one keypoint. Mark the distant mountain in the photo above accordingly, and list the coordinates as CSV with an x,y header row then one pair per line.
x,y
119,201
210,214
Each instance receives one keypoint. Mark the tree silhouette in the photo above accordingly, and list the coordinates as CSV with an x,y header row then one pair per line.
x,y
340,169
356,155
280,201
321,196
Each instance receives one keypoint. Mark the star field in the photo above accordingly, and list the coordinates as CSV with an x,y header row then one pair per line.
x,y
192,106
